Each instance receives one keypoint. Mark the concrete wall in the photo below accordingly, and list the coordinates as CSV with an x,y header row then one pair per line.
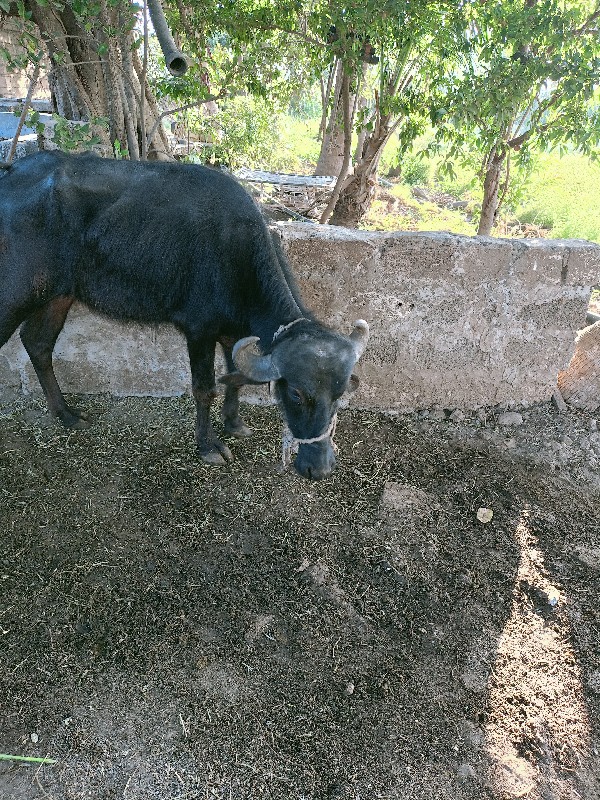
x,y
16,83
456,321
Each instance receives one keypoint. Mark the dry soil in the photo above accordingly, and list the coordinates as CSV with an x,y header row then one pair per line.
x,y
172,631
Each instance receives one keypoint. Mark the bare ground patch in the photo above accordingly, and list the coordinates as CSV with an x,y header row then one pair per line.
x,y
173,631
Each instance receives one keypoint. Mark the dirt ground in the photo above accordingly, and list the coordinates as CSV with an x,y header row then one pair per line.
x,y
174,631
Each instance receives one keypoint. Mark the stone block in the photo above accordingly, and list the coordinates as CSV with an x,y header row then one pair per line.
x,y
579,383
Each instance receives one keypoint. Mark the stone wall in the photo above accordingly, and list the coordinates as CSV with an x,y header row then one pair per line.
x,y
16,83
456,321
12,84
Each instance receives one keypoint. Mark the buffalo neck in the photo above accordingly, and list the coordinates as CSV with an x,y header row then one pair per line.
x,y
266,326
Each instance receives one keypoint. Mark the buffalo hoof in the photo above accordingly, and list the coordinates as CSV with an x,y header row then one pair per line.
x,y
73,419
237,429
217,456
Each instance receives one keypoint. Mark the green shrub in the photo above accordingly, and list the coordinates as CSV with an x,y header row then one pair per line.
x,y
535,215
243,133
415,170
460,182
306,103
564,194
69,135
297,149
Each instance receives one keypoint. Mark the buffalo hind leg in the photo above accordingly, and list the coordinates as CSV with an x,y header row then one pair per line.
x,y
39,333
202,365
232,422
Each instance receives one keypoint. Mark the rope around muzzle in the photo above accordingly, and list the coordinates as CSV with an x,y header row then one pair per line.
x,y
290,444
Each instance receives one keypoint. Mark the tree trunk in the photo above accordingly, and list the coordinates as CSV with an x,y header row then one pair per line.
x,y
345,96
356,196
331,157
491,188
359,190
95,74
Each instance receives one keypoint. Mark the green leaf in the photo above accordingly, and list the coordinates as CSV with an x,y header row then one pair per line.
x,y
27,759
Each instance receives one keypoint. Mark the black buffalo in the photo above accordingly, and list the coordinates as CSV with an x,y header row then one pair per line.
x,y
183,244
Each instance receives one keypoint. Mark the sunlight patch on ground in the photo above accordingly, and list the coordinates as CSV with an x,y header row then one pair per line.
x,y
538,735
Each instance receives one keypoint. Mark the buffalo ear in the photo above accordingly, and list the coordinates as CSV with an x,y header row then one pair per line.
x,y
353,384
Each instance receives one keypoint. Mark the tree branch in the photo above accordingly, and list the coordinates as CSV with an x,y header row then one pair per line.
x,y
300,34
26,104
142,79
585,28
195,104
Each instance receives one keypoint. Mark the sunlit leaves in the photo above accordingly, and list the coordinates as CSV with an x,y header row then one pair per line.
x,y
532,69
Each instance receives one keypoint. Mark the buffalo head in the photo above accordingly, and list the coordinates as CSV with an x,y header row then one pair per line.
x,y
311,368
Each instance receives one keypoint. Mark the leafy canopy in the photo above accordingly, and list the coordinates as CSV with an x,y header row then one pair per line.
x,y
526,77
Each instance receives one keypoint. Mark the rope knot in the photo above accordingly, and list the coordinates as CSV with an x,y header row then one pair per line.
x,y
283,328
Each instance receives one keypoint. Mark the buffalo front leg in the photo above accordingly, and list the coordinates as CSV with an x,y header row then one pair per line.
x,y
202,364
232,422
39,333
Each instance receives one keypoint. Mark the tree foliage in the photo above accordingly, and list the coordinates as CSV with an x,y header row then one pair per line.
x,y
406,38
493,79
95,70
526,80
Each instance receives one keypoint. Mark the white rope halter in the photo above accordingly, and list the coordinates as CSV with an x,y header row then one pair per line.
x,y
282,328
290,444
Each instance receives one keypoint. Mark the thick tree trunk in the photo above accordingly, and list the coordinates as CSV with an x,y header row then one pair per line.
x,y
95,73
331,157
345,97
491,190
359,190
356,196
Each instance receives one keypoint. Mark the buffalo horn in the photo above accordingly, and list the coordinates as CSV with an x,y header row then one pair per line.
x,y
360,337
254,366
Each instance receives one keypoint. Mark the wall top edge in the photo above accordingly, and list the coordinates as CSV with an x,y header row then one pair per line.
x,y
303,230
